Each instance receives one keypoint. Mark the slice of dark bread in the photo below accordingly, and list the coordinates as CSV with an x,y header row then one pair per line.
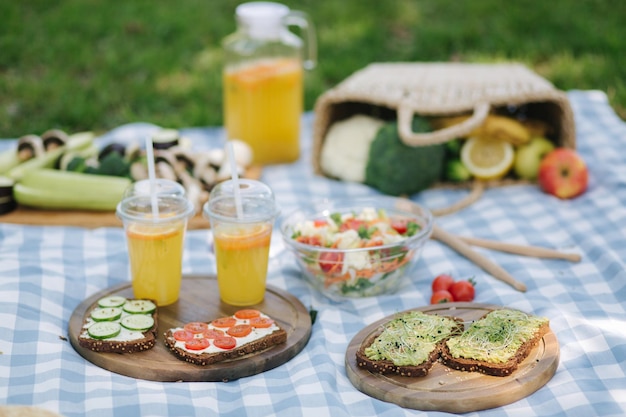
x,y
499,338
275,338
115,345
383,364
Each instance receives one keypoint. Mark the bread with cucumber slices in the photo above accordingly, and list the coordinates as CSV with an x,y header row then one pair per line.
x,y
119,325
496,343
246,332
408,345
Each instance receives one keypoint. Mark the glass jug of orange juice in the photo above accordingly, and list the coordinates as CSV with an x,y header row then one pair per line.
x,y
263,79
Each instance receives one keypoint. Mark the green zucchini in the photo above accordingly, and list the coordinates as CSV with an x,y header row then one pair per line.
x,y
54,189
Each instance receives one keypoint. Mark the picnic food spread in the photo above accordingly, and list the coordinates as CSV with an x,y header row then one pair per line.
x,y
346,252
245,332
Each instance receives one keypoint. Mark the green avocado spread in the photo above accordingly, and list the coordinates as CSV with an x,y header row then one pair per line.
x,y
409,339
496,337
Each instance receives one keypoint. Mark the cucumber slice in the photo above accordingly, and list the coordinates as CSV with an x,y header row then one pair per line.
x,y
106,314
139,322
112,301
104,329
139,307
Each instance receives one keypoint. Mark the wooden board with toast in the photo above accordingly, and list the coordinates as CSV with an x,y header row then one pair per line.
x,y
199,302
444,388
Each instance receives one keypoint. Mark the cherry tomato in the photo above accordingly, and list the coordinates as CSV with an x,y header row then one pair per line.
x,y
261,322
212,333
196,327
247,313
240,330
441,296
197,343
183,335
331,262
224,322
225,342
442,282
399,225
463,290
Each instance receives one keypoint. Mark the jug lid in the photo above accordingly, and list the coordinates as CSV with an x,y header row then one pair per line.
x,y
262,17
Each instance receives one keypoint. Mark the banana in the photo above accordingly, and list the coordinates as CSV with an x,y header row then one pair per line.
x,y
494,127
504,128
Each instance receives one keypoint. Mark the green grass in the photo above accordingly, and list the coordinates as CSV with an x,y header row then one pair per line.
x,y
97,64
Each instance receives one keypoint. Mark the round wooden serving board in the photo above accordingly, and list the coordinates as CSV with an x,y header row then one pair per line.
x,y
445,389
199,301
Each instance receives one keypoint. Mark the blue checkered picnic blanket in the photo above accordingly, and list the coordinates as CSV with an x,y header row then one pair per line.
x,y
46,272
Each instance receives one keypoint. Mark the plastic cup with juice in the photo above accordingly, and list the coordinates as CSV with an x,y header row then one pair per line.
x,y
155,244
242,239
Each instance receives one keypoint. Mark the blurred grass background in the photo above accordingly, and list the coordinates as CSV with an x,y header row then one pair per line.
x,y
97,64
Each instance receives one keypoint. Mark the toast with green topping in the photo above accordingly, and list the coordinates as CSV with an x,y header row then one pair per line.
x,y
496,343
408,345
119,325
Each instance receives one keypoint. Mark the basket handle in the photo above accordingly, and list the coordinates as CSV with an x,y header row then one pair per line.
x,y
405,119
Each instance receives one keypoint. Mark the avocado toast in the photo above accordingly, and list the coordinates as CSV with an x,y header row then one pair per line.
x,y
496,343
408,345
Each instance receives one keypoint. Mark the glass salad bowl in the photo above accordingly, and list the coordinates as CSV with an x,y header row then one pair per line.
x,y
357,248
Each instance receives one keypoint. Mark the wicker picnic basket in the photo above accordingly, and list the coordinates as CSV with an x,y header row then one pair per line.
x,y
401,90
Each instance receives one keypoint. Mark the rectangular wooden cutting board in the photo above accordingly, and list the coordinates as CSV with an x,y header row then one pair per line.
x,y
78,218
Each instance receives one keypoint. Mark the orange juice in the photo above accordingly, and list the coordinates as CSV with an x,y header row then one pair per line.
x,y
242,254
263,105
155,253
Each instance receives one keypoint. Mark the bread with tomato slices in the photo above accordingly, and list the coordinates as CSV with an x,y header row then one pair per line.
x,y
244,333
408,345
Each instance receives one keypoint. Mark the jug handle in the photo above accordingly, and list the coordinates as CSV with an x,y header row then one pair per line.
x,y
301,20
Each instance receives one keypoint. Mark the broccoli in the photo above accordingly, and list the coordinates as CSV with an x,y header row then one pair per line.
x,y
114,164
396,169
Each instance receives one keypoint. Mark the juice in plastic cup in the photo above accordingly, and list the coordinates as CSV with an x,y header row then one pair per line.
x,y
242,239
155,254
155,245
242,253
263,106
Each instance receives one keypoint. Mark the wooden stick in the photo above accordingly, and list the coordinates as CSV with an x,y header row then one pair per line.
x,y
464,249
535,251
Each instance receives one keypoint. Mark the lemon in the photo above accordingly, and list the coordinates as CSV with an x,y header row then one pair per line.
x,y
487,159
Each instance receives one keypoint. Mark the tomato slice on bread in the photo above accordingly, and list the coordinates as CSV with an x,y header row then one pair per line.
x,y
224,322
247,313
225,342
196,327
183,335
197,343
261,322
240,330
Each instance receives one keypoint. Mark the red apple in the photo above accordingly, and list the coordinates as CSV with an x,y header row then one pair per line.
x,y
563,173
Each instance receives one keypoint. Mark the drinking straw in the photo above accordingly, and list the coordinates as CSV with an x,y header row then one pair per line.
x,y
152,177
234,175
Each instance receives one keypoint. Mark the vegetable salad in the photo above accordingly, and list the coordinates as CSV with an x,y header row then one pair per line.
x,y
349,267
